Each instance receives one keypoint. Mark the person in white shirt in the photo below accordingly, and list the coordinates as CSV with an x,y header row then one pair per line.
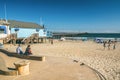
x,y
19,50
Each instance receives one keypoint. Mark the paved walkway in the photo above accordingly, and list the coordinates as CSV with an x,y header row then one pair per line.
x,y
54,68
2,64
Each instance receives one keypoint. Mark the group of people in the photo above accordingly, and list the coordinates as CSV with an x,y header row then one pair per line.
x,y
27,51
109,44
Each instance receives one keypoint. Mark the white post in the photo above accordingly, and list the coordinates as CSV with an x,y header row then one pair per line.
x,y
5,12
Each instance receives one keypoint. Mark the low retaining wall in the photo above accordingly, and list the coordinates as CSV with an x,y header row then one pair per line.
x,y
4,69
30,57
9,72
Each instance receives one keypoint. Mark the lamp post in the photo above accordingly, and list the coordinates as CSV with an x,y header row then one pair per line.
x,y
15,35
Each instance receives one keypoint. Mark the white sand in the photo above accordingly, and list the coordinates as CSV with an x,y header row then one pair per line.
x,y
105,61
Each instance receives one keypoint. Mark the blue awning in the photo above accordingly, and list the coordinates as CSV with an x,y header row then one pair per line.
x,y
16,29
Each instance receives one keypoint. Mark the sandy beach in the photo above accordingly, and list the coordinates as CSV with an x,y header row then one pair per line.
x,y
107,62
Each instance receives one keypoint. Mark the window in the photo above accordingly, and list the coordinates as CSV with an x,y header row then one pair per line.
x,y
1,30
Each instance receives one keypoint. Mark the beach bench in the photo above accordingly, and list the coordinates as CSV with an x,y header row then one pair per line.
x,y
30,57
4,70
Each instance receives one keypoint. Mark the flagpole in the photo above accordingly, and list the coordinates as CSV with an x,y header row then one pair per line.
x,y
5,12
41,22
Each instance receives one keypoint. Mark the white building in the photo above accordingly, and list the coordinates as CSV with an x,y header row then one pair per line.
x,y
4,29
23,29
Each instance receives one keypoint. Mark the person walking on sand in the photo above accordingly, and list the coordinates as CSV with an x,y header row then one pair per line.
x,y
104,44
19,50
51,41
109,42
114,45
28,50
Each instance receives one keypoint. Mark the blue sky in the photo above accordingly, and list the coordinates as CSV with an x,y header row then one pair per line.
x,y
66,15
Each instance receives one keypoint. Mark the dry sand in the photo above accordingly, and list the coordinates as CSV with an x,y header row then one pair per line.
x,y
105,61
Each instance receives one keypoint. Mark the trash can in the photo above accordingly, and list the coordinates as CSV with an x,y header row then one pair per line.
x,y
22,67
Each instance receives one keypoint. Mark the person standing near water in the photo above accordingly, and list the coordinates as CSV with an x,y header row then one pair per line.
x,y
109,42
114,45
104,44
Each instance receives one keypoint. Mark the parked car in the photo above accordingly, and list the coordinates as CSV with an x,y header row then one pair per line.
x,y
1,45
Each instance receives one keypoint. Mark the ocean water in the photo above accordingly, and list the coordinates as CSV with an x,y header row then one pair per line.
x,y
88,35
105,35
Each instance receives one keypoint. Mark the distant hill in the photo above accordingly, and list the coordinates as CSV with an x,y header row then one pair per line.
x,y
21,24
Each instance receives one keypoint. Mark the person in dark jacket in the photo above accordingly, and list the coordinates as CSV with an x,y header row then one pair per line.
x,y
28,50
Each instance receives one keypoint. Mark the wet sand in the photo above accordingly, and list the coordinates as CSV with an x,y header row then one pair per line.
x,y
107,62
